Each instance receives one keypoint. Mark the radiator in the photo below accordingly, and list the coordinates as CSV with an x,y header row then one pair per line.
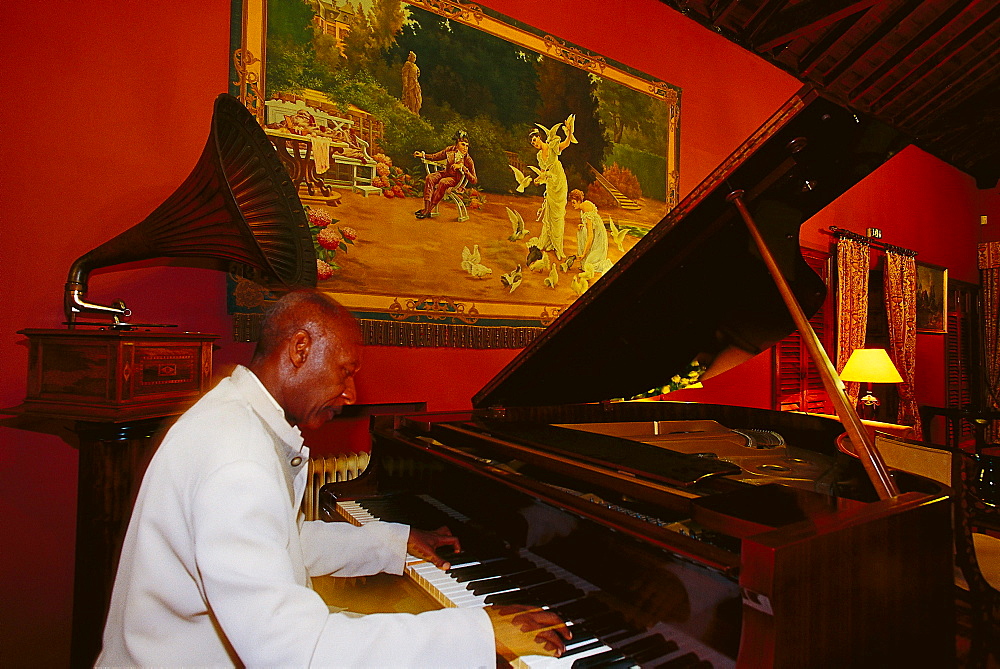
x,y
343,467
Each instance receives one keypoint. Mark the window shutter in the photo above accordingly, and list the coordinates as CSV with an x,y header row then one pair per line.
x,y
960,352
798,385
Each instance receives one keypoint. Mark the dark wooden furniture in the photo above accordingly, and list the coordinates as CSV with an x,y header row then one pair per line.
x,y
114,390
959,417
296,155
738,534
977,525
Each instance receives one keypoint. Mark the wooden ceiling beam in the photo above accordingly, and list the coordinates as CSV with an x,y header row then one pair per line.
x,y
876,34
931,68
804,18
951,93
932,60
718,10
761,17
809,60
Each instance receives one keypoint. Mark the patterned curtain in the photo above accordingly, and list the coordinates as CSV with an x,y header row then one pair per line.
x,y
900,284
989,278
853,264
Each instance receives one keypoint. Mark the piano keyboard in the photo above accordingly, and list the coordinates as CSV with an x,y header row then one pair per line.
x,y
486,574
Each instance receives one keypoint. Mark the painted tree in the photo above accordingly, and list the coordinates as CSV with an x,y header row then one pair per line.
x,y
564,90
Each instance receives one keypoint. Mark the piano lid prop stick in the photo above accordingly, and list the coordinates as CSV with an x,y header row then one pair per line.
x,y
872,461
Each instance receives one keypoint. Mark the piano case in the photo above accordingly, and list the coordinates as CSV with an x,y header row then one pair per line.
x,y
679,534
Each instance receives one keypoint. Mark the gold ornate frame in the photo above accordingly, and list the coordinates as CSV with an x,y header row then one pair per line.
x,y
415,318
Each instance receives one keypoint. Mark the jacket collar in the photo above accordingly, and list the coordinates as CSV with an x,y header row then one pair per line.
x,y
270,412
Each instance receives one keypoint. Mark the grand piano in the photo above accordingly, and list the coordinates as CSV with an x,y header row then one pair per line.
x,y
676,534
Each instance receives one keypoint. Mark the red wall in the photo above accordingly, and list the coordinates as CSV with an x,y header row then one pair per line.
x,y
107,109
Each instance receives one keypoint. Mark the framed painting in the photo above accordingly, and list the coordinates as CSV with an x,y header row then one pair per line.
x,y
466,176
932,298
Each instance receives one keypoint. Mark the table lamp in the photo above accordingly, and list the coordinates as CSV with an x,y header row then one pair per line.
x,y
868,366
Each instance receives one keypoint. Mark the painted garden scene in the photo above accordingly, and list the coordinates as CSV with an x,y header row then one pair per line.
x,y
444,153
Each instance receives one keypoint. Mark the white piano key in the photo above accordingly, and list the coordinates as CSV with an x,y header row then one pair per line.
x,y
548,662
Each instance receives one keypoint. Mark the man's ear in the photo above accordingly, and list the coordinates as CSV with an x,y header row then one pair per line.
x,y
299,346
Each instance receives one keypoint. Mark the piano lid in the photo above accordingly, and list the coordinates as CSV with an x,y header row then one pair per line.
x,y
695,286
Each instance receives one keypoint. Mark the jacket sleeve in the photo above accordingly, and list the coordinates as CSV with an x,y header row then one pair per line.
x,y
241,533
470,167
437,155
342,549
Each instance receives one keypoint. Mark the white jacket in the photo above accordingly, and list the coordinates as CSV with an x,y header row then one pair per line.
x,y
216,563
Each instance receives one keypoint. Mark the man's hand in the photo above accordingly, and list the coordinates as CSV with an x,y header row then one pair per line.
x,y
524,630
424,545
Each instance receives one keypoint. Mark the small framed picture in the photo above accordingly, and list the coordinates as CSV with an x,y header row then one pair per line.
x,y
932,298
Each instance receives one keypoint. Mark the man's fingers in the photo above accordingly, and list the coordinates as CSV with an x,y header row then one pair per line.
x,y
541,619
552,642
446,538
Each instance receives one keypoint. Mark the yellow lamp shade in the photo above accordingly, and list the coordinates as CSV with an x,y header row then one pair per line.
x,y
871,365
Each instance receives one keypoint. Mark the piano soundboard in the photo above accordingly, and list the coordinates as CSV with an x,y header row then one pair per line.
x,y
488,573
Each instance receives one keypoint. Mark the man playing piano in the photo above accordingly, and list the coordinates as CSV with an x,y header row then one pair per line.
x,y
216,563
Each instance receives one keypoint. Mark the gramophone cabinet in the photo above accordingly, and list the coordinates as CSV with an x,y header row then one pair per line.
x,y
115,375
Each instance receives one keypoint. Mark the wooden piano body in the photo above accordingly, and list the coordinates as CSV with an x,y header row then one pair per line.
x,y
710,535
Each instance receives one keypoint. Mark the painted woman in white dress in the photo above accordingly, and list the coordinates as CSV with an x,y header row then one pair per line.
x,y
552,213
591,237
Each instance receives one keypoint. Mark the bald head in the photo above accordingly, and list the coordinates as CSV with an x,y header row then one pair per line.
x,y
307,356
301,310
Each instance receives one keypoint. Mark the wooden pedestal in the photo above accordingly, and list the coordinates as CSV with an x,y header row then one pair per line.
x,y
117,390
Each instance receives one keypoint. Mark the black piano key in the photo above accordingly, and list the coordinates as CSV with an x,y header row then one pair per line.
x,y
615,637
649,648
605,660
493,568
415,512
581,647
556,591
607,623
580,609
624,663
470,556
520,580
476,544
685,661
409,510
581,634
458,559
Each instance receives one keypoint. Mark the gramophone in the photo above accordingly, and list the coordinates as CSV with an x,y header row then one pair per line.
x,y
116,382
238,204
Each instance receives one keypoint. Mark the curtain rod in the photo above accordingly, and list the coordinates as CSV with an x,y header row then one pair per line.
x,y
834,231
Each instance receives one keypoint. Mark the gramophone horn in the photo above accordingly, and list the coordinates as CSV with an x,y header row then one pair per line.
x,y
237,204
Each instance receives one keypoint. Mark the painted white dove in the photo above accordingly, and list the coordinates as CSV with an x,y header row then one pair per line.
x,y
570,125
536,259
579,285
618,234
550,133
512,279
480,271
523,181
517,224
470,258
542,264
553,278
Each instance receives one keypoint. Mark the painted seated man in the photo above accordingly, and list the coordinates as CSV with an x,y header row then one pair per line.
x,y
457,163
